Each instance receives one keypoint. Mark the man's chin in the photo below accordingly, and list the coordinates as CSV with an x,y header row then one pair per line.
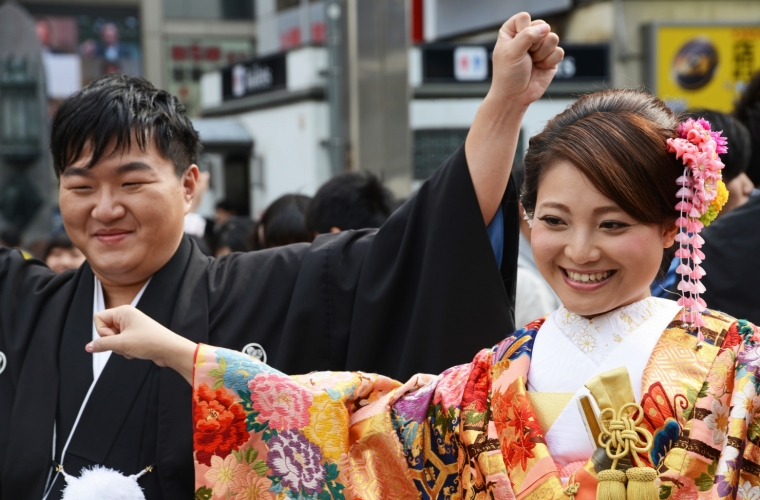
x,y
115,268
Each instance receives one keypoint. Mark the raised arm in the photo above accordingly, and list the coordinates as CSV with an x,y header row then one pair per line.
x,y
524,62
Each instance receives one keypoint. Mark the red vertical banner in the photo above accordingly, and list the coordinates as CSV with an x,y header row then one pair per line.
x,y
418,33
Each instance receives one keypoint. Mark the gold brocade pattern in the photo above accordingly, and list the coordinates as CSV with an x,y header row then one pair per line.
x,y
548,406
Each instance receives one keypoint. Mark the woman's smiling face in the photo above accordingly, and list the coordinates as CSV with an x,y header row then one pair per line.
x,y
594,255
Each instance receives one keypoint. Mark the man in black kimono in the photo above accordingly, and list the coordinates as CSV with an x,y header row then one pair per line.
x,y
422,293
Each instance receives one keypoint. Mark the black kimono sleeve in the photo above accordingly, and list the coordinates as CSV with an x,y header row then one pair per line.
x,y
421,294
33,301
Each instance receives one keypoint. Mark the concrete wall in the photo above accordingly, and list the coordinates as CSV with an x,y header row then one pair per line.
x,y
287,143
459,113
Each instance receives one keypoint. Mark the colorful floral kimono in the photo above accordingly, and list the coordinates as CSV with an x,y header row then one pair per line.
x,y
471,432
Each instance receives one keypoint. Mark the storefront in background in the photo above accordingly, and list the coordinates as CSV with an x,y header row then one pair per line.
x,y
701,66
188,58
81,44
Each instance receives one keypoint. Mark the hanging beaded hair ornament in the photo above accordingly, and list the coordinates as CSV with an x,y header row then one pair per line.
x,y
702,195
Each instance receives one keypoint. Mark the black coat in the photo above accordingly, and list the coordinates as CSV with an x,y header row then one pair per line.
x,y
420,294
731,272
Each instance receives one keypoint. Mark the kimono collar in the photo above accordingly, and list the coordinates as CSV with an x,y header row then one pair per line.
x,y
599,336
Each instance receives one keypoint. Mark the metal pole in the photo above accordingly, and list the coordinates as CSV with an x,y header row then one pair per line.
x,y
334,22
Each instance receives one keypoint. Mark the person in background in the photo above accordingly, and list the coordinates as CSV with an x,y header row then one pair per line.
x,y
11,237
224,210
534,298
282,223
732,241
234,236
351,200
61,254
747,110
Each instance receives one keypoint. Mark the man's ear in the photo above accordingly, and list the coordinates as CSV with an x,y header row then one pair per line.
x,y
190,186
669,235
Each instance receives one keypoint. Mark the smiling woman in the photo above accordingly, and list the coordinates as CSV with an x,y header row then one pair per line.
x,y
614,387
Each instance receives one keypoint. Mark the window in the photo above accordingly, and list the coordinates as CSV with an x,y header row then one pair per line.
x,y
433,147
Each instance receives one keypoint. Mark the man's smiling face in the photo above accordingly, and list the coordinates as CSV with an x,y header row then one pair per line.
x,y
126,212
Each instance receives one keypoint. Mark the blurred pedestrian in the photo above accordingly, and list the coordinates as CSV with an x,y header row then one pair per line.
x,y
282,223
61,254
223,211
747,110
11,237
235,235
732,242
350,200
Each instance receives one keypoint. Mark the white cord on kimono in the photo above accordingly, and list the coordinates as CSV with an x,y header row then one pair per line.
x,y
59,469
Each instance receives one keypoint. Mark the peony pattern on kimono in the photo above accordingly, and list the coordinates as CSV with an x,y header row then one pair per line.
x,y
471,432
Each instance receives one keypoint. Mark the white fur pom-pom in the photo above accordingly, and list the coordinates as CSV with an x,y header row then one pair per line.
x,y
102,483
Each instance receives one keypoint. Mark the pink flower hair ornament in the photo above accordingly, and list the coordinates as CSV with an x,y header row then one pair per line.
x,y
702,195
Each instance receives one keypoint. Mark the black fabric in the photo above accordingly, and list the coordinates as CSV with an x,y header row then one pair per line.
x,y
731,247
421,294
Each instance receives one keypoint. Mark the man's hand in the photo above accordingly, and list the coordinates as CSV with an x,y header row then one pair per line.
x,y
524,62
129,332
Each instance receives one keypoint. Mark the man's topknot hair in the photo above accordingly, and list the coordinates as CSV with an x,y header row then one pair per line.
x,y
107,115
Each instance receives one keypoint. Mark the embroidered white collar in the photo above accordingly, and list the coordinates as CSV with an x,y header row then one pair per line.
x,y
599,336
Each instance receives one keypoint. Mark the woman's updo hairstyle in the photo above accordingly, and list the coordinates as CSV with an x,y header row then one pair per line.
x,y
617,139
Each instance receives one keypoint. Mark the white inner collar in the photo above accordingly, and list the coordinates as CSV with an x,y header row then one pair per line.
x,y
99,359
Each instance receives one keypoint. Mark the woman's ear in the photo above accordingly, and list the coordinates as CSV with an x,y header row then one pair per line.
x,y
669,233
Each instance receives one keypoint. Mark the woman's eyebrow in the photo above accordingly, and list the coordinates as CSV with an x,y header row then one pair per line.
x,y
554,205
607,209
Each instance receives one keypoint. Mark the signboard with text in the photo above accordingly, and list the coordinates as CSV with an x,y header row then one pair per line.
x,y
452,63
701,66
254,77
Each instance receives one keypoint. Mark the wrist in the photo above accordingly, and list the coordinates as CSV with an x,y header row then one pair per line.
x,y
508,105
181,357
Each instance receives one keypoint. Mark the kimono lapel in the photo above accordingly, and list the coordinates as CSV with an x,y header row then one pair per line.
x,y
526,456
174,453
75,363
565,437
122,379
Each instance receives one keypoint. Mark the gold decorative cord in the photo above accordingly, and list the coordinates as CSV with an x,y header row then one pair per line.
x,y
622,435
571,490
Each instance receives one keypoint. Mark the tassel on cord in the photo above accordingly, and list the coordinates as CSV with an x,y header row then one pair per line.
x,y
621,436
611,485
641,483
